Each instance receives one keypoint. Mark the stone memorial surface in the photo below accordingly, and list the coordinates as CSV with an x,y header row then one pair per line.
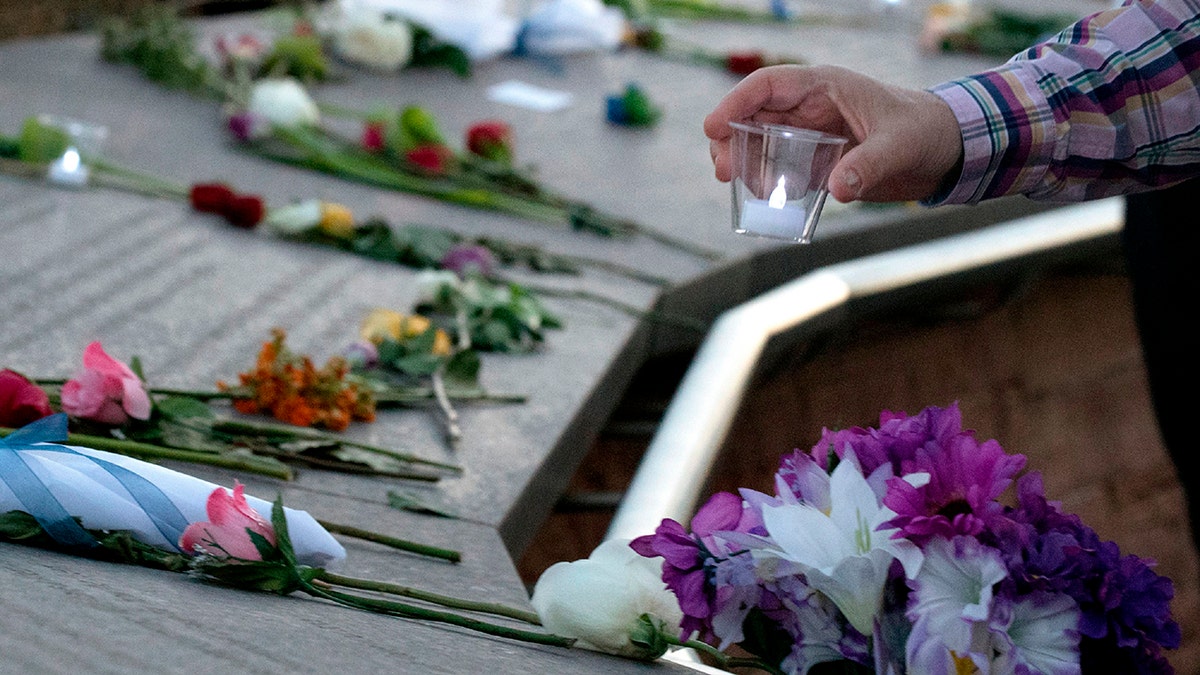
x,y
194,299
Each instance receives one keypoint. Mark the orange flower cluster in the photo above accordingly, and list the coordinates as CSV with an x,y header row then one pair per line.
x,y
291,389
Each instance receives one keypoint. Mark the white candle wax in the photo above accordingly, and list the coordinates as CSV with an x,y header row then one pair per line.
x,y
68,170
759,217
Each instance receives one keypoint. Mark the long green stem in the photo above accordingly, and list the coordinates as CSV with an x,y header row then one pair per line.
x,y
148,451
296,433
414,612
726,662
393,542
654,315
435,598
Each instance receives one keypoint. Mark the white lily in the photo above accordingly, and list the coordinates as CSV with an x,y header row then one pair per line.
x,y
841,552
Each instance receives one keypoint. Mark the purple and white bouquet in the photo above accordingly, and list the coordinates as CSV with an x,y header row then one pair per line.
x,y
889,550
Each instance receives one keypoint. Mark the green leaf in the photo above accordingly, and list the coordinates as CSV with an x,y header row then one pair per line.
x,y
408,502
418,364
427,50
10,148
374,239
418,127
462,370
425,246
299,56
184,408
40,142
20,526
648,637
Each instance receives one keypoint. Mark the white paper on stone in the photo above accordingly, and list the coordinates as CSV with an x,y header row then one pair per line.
x,y
88,492
573,26
531,96
481,28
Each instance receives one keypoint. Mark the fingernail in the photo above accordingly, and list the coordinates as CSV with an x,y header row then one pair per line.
x,y
851,180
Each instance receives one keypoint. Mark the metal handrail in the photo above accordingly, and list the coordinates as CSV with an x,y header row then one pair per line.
x,y
673,471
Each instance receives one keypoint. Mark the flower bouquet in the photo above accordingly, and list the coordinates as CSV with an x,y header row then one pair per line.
x,y
889,551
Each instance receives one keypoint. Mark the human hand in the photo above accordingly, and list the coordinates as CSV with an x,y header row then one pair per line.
x,y
902,142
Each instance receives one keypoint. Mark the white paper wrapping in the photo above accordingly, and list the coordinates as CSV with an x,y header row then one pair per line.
x,y
91,493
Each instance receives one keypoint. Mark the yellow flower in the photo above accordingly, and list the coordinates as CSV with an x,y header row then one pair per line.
x,y
441,343
336,220
381,324
388,324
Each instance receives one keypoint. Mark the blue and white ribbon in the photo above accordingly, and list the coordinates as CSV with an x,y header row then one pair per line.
x,y
71,490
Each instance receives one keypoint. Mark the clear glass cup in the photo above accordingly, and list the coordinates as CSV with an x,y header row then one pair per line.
x,y
779,179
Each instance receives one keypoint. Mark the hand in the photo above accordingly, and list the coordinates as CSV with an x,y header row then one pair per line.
x,y
903,142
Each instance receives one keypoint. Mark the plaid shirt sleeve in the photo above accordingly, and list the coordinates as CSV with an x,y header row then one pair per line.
x,y
1109,106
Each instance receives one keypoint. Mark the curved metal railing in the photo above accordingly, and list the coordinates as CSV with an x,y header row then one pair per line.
x,y
673,471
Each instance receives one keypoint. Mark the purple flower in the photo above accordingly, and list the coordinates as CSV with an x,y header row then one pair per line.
x,y
896,441
246,126
801,475
1125,612
361,354
469,259
966,477
688,559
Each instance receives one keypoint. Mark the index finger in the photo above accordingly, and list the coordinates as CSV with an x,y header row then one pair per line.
x,y
762,90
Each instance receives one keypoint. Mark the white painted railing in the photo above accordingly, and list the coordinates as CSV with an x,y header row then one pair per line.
x,y
672,473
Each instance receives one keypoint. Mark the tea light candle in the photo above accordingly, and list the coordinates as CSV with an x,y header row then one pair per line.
x,y
68,170
761,218
773,217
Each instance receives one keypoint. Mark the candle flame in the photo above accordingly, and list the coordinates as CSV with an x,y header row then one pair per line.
x,y
778,198
70,160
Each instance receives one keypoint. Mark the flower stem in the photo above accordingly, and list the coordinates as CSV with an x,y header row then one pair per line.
x,y
393,542
435,598
662,317
414,612
724,661
453,431
296,433
146,450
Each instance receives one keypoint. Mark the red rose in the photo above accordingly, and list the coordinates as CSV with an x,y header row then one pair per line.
x,y
490,139
431,158
744,63
210,197
244,211
372,136
21,401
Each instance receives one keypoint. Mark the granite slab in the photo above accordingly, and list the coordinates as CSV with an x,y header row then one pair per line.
x,y
193,299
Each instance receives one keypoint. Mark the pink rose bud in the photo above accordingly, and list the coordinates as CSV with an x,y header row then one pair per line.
x,y
227,532
105,391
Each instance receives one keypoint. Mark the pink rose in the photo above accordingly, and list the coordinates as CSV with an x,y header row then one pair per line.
x,y
106,390
227,534
21,401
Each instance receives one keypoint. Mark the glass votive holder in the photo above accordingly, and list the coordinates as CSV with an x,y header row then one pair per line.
x,y
82,141
779,179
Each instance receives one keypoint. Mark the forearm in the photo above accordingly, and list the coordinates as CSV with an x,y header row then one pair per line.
x,y
1107,107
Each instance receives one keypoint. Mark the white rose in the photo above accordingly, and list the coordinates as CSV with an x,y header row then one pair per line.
x,y
295,218
283,102
430,283
369,39
600,600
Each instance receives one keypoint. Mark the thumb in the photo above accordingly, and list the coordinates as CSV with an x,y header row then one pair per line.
x,y
859,172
